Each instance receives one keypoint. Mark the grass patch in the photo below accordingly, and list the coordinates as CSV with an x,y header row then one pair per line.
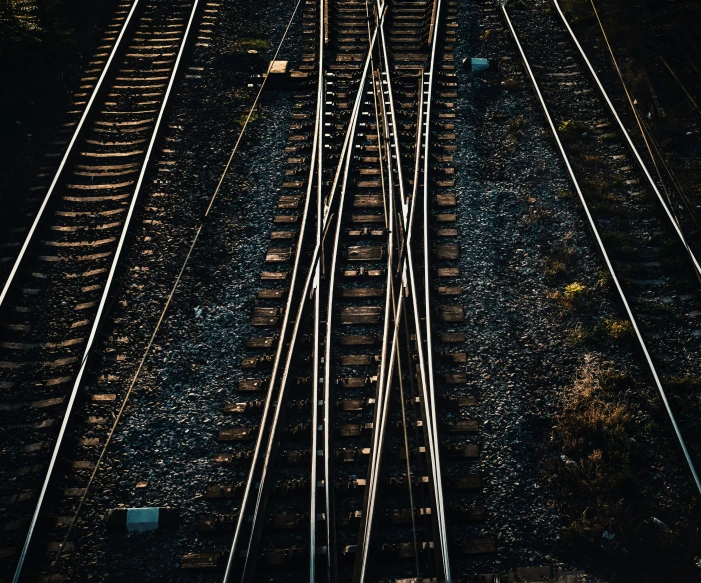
x,y
255,44
560,258
571,128
574,291
591,468
485,35
603,277
255,116
604,331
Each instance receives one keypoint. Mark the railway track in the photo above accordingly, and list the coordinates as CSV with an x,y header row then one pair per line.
x,y
350,449
654,270
59,285
348,380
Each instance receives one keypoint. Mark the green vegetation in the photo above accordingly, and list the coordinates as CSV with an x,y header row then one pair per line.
x,y
255,44
574,291
241,119
27,28
608,329
604,277
571,128
592,470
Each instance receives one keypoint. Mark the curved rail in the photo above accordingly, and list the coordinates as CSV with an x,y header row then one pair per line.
x,y
429,336
103,301
604,253
320,410
408,287
343,166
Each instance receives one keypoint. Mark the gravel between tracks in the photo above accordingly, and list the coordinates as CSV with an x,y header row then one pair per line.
x,y
167,435
520,357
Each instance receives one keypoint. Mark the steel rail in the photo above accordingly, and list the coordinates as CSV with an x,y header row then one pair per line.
x,y
243,512
631,145
382,384
66,155
435,458
345,155
604,253
319,135
381,416
103,300
377,432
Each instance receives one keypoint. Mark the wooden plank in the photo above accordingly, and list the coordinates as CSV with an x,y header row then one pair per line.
x,y
252,384
365,252
361,340
358,359
451,313
235,408
368,201
367,219
455,357
354,382
279,254
203,561
283,235
459,378
367,232
237,434
463,426
274,275
353,429
362,292
266,316
445,200
353,404
363,272
288,201
451,337
448,272
450,291
286,219
272,294
361,315
447,252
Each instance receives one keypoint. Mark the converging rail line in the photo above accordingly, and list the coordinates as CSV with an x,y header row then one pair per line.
x,y
348,443
349,452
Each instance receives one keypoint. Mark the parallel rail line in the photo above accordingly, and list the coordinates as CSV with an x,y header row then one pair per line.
x,y
108,158
595,229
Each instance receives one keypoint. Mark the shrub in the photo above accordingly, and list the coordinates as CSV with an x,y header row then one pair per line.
x,y
574,291
592,438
